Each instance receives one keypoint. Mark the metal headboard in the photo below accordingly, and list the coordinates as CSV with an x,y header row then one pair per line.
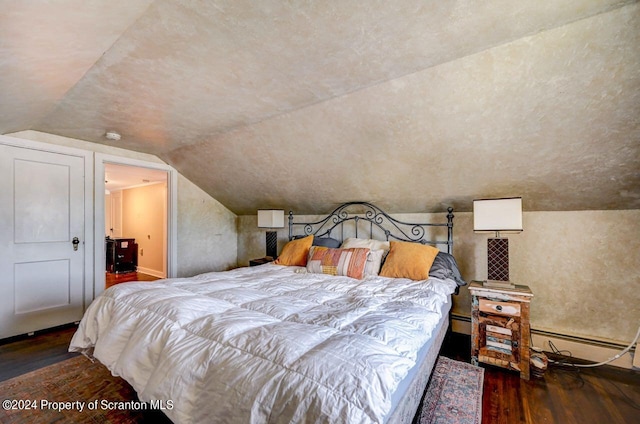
x,y
373,217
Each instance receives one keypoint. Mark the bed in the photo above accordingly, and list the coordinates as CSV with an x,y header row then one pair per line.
x,y
333,340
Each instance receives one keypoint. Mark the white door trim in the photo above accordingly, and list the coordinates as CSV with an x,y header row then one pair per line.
x,y
88,233
172,213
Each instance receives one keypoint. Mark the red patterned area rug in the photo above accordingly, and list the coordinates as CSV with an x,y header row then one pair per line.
x,y
73,391
454,394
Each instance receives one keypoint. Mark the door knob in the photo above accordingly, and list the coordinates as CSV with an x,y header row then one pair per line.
x,y
75,242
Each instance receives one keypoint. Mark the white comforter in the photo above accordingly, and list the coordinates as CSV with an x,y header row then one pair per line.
x,y
264,344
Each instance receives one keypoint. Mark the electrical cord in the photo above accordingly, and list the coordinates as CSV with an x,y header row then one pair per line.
x,y
576,367
613,358
556,351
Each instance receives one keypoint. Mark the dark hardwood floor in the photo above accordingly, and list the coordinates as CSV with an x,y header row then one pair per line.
x,y
22,354
564,395
112,279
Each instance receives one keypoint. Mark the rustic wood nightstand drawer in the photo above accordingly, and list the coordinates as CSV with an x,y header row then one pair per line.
x,y
511,309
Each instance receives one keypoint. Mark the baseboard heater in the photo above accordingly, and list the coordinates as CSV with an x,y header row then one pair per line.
x,y
576,339
584,340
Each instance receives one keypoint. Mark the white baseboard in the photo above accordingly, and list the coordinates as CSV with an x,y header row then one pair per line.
x,y
589,350
150,271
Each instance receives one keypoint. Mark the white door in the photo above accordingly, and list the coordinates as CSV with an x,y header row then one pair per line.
x,y
107,215
116,214
41,212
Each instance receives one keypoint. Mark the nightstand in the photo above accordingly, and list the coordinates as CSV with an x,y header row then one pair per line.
x,y
500,329
260,261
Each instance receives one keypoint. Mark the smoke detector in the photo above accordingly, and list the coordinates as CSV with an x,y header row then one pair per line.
x,y
112,135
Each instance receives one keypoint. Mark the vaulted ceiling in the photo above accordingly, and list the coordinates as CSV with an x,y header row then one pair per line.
x,y
412,104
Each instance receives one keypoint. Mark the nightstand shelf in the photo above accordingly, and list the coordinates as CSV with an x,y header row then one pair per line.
x,y
500,329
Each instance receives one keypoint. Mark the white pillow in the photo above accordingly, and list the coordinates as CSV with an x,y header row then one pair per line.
x,y
366,243
379,250
374,261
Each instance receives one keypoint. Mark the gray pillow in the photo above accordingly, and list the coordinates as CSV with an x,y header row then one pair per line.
x,y
326,242
445,266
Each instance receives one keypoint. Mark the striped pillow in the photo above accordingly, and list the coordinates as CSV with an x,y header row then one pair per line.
x,y
349,262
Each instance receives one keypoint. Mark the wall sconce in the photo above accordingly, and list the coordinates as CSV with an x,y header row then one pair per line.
x,y
498,215
271,218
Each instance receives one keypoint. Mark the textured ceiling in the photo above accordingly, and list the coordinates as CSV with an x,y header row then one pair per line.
x,y
414,105
119,177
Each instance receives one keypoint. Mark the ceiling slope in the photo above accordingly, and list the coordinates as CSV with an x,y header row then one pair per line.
x,y
46,47
553,117
415,105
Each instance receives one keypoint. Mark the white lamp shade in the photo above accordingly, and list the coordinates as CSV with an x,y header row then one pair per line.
x,y
270,218
497,214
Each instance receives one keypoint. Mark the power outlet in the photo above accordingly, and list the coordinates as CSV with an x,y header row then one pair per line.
x,y
141,252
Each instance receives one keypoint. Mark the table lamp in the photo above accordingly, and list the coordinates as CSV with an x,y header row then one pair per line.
x,y
496,216
271,218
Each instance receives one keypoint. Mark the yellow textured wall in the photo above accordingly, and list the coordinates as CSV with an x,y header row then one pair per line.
x,y
143,218
583,267
207,237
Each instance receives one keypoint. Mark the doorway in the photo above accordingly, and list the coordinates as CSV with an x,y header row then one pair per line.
x,y
135,221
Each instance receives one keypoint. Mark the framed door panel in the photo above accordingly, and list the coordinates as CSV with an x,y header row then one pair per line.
x,y
42,211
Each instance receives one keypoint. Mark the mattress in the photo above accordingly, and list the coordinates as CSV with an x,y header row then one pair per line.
x,y
270,343
407,397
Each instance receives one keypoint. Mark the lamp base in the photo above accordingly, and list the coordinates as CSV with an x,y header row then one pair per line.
x,y
272,243
498,259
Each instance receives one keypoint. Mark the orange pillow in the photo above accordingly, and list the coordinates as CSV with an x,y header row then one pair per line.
x,y
295,252
409,260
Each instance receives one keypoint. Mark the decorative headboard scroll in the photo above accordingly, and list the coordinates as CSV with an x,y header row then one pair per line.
x,y
377,221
